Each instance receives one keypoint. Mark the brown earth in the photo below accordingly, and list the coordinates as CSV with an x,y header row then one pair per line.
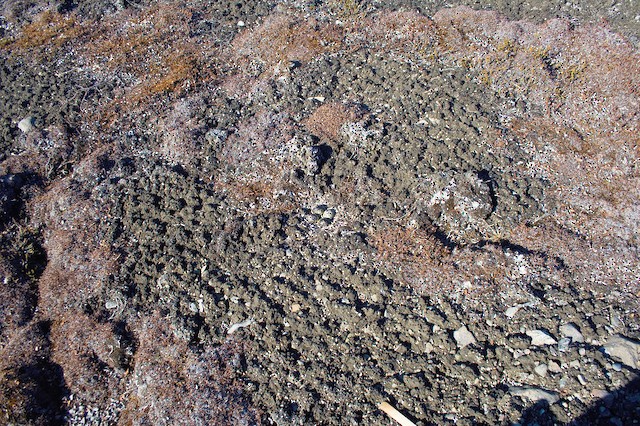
x,y
288,213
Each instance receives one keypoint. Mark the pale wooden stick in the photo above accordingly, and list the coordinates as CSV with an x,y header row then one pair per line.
x,y
395,414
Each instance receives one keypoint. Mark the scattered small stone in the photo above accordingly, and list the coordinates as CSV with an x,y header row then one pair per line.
x,y
616,421
517,353
428,347
571,331
295,308
541,370
26,124
562,383
625,350
540,338
599,393
582,380
534,394
111,304
512,311
463,337
574,364
616,366
554,367
563,344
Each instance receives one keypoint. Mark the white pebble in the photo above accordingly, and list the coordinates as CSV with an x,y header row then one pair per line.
x,y
540,338
463,337
570,330
534,394
238,325
512,311
541,370
625,350
26,124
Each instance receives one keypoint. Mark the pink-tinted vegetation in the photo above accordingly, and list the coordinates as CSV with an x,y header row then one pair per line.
x,y
171,384
580,129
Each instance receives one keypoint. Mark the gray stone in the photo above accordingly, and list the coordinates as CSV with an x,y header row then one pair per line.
x,y
563,344
540,338
534,394
571,331
463,337
624,350
541,370
554,367
512,311
26,124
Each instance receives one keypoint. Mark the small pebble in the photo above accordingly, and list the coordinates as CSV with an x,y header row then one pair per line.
x,y
554,367
463,337
571,331
541,370
534,394
562,383
26,124
563,344
582,380
512,311
111,304
599,393
540,338
625,350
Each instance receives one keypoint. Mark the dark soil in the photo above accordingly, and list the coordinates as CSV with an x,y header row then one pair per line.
x,y
228,253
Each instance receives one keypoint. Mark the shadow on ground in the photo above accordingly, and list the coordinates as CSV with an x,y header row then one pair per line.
x,y
621,407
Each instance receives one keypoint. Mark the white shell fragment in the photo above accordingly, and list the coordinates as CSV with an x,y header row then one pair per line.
x,y
236,326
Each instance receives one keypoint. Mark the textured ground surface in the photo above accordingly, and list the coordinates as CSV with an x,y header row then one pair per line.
x,y
290,212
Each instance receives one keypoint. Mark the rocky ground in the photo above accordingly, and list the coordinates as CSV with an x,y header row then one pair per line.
x,y
291,212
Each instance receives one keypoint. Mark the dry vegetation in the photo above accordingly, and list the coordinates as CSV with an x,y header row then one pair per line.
x,y
171,384
584,141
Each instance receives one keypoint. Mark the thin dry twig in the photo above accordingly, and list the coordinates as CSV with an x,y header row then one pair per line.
x,y
395,414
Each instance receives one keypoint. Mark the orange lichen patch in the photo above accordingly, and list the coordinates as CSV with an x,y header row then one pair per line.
x,y
585,83
50,30
172,383
266,196
84,347
415,256
407,33
404,244
587,259
246,191
283,38
152,52
327,120
585,77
